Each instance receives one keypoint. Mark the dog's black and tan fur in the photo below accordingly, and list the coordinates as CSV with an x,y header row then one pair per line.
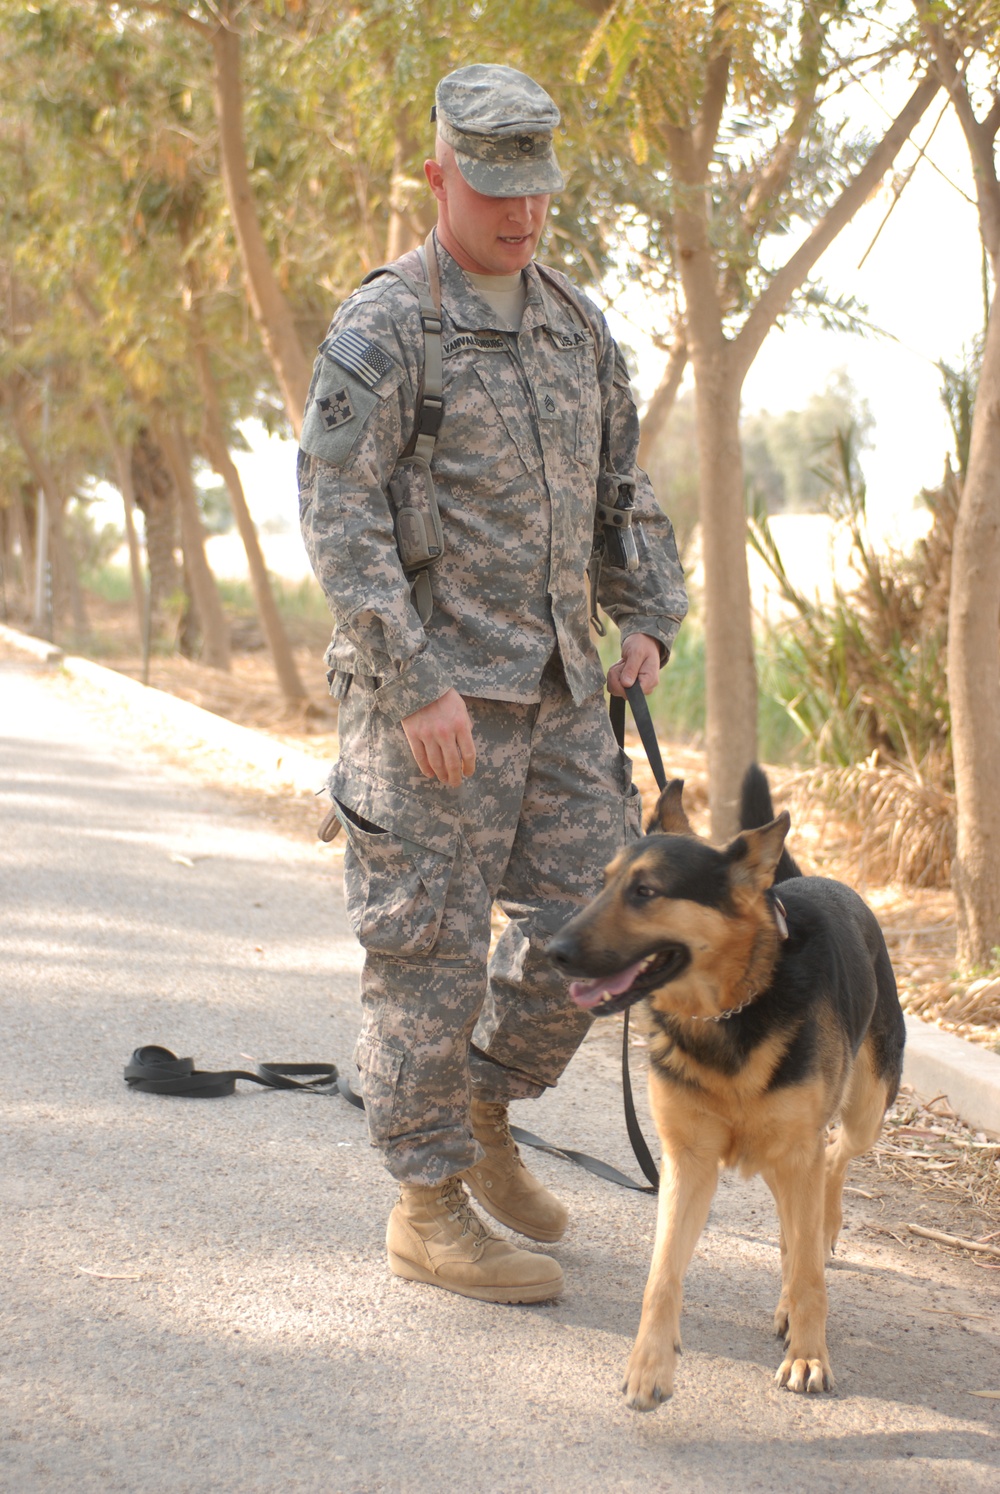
x,y
770,1018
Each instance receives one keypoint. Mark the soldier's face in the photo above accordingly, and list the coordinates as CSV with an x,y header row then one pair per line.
x,y
485,235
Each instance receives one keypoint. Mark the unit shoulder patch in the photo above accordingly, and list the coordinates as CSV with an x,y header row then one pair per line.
x,y
335,408
336,415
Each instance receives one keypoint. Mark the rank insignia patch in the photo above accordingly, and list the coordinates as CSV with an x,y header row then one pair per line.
x,y
335,409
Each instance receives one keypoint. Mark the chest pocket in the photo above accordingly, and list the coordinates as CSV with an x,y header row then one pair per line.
x,y
588,421
574,359
488,417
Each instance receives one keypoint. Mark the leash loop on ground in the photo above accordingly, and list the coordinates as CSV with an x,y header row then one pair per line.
x,y
157,1071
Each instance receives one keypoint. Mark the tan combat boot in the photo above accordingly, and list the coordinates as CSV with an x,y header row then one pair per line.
x,y
435,1236
502,1183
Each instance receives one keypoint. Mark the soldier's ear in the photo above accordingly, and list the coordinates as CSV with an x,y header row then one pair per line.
x,y
435,178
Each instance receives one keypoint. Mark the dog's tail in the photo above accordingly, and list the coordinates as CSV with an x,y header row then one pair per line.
x,y
756,810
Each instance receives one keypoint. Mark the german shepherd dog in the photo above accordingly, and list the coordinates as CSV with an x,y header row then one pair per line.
x,y
769,1018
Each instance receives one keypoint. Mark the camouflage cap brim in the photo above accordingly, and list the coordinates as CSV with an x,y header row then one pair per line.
x,y
531,177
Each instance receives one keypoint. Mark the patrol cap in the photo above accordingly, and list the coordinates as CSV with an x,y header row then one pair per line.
x,y
499,123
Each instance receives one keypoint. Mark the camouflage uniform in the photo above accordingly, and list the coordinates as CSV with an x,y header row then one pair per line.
x,y
515,469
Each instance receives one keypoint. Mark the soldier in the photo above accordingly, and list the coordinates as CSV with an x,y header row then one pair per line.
x,y
477,764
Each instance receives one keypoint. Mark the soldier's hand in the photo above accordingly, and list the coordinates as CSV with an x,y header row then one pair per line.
x,y
440,738
640,661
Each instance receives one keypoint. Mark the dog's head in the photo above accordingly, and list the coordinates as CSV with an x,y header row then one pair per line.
x,y
679,922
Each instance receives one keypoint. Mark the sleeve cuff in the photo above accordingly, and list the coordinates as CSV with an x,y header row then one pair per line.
x,y
419,684
663,629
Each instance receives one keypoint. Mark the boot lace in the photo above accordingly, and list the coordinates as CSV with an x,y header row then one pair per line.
x,y
496,1116
456,1201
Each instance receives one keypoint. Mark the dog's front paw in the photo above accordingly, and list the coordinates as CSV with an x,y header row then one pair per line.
x,y
805,1374
649,1379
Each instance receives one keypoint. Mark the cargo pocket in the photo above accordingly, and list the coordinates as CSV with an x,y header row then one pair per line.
x,y
379,1064
397,866
631,800
633,814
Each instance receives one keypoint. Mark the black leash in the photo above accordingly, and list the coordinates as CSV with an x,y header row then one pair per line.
x,y
157,1071
647,735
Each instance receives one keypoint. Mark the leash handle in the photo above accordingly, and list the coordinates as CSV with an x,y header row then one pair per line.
x,y
644,726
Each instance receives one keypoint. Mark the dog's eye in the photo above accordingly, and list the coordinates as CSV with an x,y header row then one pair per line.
x,y
644,891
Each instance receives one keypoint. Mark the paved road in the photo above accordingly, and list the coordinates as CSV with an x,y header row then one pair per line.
x,y
244,1333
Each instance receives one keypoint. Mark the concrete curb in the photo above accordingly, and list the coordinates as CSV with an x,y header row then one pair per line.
x,y
939,1063
38,648
936,1062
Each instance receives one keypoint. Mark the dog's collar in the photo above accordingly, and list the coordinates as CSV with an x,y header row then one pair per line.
x,y
780,916
781,923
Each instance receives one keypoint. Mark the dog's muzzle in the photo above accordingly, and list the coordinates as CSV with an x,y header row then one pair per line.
x,y
613,989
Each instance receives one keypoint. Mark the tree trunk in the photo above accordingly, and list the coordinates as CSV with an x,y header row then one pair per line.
x,y
25,543
271,310
730,671
214,626
217,450
66,592
411,210
720,366
123,470
974,673
156,498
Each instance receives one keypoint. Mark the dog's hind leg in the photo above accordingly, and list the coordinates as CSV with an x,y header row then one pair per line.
x,y
797,1184
861,1115
688,1180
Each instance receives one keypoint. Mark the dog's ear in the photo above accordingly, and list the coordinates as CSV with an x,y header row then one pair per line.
x,y
754,855
669,815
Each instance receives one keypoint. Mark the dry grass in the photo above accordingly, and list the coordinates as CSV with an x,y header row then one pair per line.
x,y
928,1149
898,829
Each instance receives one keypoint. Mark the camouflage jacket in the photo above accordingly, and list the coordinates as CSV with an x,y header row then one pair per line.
x,y
515,469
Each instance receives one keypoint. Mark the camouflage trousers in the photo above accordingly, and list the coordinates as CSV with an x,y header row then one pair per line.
x,y
551,801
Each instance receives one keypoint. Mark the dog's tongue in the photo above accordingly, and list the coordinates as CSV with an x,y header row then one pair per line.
x,y
589,993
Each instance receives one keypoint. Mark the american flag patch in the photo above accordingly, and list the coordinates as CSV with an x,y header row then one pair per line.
x,y
360,357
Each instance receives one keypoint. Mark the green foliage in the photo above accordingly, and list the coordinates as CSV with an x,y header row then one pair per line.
x,y
864,674
785,457
677,705
779,158
92,544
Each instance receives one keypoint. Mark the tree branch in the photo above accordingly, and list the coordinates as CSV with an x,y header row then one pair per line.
x,y
790,276
662,402
706,131
979,135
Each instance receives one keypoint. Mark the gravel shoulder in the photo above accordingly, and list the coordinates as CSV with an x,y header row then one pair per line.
x,y
196,1294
